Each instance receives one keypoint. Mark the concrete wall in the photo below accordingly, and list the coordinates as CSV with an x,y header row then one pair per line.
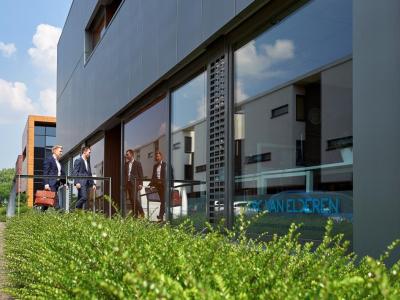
x,y
376,111
144,41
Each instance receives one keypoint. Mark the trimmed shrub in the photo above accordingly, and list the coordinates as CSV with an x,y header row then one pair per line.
x,y
87,256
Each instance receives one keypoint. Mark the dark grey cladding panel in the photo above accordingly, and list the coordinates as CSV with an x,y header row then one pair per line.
x,y
189,26
144,41
241,4
167,35
216,13
148,31
134,53
70,45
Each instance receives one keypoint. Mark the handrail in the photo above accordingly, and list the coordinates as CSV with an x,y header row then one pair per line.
x,y
295,170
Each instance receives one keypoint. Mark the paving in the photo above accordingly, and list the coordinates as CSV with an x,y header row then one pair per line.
x,y
3,275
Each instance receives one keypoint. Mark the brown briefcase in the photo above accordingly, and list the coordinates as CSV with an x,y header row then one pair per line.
x,y
45,198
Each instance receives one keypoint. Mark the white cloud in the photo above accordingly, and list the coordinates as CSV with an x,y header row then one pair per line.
x,y
44,54
240,95
14,101
258,63
201,108
47,102
7,49
16,105
162,129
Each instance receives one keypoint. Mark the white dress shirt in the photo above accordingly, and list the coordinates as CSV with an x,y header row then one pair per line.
x,y
86,165
130,169
58,165
159,170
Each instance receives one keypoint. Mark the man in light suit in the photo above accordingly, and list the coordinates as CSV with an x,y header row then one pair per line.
x,y
133,182
82,168
52,166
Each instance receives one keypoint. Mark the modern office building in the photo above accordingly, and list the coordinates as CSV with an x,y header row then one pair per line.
x,y
283,106
38,138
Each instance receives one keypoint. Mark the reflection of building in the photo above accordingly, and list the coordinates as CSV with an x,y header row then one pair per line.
x,y
286,115
38,138
188,153
18,171
317,87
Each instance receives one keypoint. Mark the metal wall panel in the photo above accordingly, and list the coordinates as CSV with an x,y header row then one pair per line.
x,y
189,26
241,4
217,138
167,35
144,41
376,110
216,14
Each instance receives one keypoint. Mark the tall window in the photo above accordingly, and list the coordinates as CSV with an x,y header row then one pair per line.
x,y
145,134
45,138
99,24
97,167
188,149
293,96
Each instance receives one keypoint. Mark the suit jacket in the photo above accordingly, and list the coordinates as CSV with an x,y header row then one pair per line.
x,y
154,179
80,170
50,168
136,172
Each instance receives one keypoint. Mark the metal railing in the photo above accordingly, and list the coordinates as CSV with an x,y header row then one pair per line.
x,y
67,178
174,184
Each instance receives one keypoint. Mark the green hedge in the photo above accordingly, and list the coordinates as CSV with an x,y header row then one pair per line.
x,y
85,256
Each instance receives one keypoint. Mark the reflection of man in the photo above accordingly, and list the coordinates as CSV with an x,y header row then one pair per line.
x,y
133,182
52,166
157,181
82,168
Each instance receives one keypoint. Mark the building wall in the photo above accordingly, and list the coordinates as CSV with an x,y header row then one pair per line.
x,y
376,110
140,46
28,145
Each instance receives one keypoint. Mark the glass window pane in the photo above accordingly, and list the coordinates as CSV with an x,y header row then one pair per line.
x,y
39,152
293,122
144,135
38,164
40,130
188,151
50,141
51,131
97,166
40,141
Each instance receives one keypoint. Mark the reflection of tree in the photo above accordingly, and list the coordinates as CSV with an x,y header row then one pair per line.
x,y
6,179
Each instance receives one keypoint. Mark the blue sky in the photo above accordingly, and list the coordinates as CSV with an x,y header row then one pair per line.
x,y
317,34
29,32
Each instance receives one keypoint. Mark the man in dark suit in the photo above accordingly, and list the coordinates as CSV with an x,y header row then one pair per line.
x,y
158,181
82,168
53,167
133,182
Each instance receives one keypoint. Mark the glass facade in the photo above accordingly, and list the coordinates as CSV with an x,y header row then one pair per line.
x,y
293,122
145,134
45,137
188,150
97,167
292,133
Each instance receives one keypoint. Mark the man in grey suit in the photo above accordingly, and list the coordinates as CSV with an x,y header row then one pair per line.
x,y
82,168
133,182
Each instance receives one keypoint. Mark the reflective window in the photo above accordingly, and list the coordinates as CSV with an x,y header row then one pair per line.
x,y
97,167
50,131
293,122
40,130
144,135
40,141
188,152
50,141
